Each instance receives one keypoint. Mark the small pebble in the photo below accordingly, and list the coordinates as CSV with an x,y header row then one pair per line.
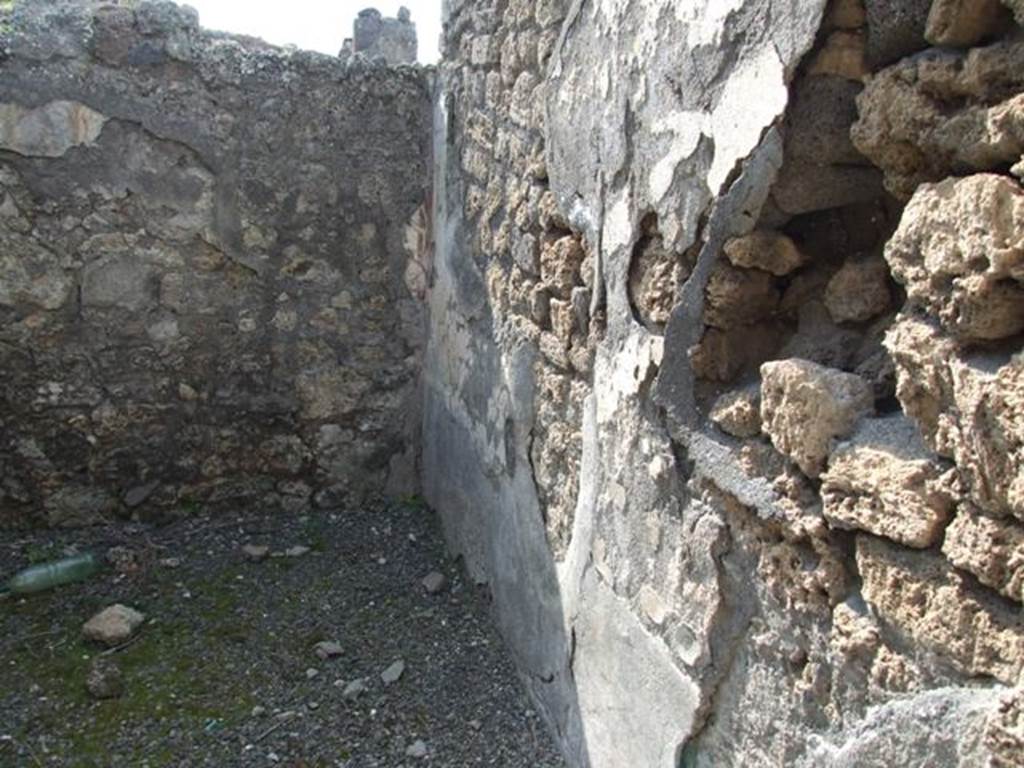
x,y
328,649
311,673
259,711
354,688
418,749
434,582
393,673
104,680
256,552
296,551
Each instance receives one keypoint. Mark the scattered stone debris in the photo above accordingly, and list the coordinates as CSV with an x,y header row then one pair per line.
x,y
104,679
393,673
417,749
114,625
328,649
434,582
256,552
353,689
297,551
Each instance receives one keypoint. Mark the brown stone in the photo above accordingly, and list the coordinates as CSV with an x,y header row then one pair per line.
x,y
859,291
883,480
738,297
990,548
930,604
959,250
805,407
766,250
970,408
963,23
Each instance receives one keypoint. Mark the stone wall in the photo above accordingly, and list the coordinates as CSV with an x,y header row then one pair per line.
x,y
211,265
725,372
374,36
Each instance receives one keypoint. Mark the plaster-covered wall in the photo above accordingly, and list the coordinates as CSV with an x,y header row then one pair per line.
x,y
724,373
210,271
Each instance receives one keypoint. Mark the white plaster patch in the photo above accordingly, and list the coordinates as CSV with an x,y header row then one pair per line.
x,y
754,96
650,716
686,128
618,223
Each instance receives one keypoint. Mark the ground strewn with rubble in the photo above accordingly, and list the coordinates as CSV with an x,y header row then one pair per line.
x,y
224,671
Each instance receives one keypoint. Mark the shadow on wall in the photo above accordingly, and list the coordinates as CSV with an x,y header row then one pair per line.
x,y
477,466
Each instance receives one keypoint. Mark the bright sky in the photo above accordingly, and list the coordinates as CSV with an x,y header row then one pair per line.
x,y
318,25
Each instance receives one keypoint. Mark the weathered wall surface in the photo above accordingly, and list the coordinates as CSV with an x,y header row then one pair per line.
x,y
208,275
724,374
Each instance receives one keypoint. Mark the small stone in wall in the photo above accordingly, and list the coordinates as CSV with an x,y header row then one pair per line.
x,y
113,625
951,112
959,250
843,55
739,413
895,29
845,14
560,262
738,297
964,23
805,407
990,548
883,480
859,291
767,250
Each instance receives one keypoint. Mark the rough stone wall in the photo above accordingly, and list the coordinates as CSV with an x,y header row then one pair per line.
x,y
210,267
724,373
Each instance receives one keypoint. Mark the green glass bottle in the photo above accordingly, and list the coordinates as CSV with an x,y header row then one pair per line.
x,y
48,575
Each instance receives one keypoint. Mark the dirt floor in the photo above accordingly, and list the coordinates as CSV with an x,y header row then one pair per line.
x,y
223,672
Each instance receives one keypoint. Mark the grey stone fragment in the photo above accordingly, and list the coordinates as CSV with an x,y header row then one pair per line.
x,y
328,649
417,749
104,679
354,688
895,29
944,724
113,625
256,552
137,495
434,582
393,673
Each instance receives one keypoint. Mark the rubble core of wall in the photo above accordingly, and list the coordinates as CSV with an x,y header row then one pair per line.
x,y
727,344
204,250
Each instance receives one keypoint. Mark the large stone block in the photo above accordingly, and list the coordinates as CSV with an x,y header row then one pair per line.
x,y
969,407
805,407
928,603
943,112
49,130
884,481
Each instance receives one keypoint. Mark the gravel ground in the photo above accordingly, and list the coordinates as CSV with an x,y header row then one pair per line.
x,y
223,672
